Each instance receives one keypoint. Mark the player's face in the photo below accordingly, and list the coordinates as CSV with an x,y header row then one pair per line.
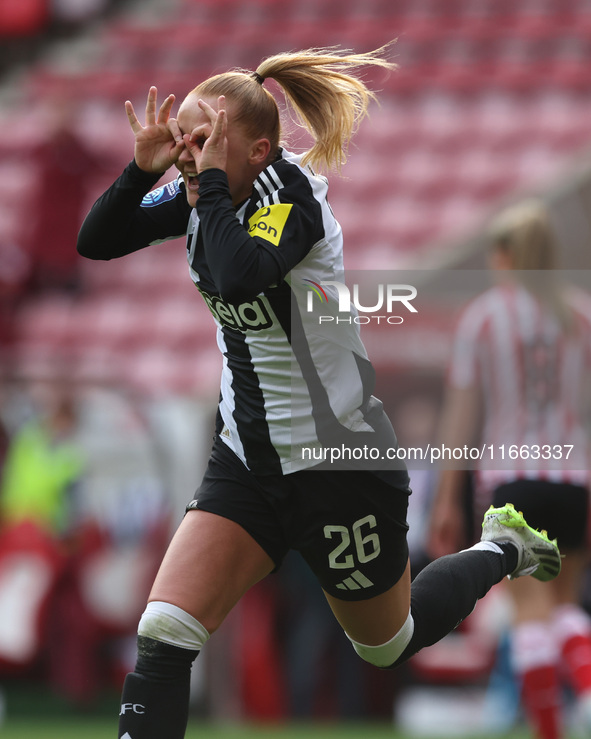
x,y
238,168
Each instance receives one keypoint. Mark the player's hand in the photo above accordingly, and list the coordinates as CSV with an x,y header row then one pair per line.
x,y
159,143
208,142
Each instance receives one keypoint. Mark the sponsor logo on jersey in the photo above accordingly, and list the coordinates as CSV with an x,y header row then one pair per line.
x,y
251,316
161,195
269,222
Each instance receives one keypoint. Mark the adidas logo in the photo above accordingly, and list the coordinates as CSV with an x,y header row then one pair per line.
x,y
355,581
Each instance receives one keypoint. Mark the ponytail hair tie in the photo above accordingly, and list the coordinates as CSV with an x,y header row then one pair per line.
x,y
257,77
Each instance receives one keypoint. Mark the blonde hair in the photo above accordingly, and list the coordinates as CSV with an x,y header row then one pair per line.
x,y
524,233
321,87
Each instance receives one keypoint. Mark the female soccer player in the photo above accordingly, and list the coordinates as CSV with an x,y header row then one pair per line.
x,y
521,364
259,233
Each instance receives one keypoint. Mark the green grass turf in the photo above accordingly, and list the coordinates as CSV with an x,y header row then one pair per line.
x,y
102,728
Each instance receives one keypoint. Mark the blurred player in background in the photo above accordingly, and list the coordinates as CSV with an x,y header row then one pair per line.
x,y
259,232
520,371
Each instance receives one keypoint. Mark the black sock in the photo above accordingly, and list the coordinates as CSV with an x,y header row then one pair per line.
x,y
155,699
446,591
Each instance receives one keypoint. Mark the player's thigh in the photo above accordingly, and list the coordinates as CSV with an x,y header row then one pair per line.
x,y
376,620
210,563
352,530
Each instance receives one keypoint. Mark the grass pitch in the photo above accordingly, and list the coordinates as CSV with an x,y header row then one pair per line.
x,y
102,728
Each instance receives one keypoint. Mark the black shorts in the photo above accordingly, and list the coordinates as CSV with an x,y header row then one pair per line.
x,y
560,508
350,526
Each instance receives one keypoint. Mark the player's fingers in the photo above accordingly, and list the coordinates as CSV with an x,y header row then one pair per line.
x,y
210,112
175,130
218,120
165,109
222,118
201,132
219,129
190,143
136,126
151,106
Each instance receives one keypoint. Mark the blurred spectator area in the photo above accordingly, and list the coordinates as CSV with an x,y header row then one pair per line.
x,y
26,26
491,100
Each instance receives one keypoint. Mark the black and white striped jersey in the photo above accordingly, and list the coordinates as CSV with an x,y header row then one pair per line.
x,y
287,384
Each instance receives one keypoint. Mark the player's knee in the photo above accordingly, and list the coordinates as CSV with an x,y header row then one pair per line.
x,y
168,641
171,625
384,655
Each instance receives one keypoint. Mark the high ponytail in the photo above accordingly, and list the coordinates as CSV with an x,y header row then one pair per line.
x,y
326,96
321,87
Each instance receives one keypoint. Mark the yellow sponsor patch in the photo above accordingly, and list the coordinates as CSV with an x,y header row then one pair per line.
x,y
269,222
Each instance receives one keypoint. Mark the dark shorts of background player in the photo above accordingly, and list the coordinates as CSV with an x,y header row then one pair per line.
x,y
560,508
350,526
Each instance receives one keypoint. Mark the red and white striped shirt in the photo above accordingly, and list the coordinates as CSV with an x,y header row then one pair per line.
x,y
534,378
